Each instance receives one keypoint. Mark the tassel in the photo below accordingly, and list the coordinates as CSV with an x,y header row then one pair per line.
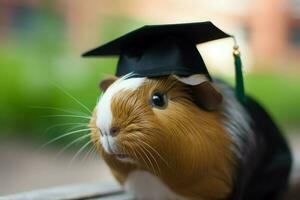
x,y
239,80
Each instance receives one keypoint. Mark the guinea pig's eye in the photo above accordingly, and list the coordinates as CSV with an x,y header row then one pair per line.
x,y
158,100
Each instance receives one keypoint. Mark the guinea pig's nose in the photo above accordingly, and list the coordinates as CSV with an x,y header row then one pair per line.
x,y
114,131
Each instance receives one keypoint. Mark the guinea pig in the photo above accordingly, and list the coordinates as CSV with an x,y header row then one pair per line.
x,y
174,137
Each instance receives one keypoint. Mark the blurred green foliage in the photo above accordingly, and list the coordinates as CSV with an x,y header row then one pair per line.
x,y
38,69
278,93
37,63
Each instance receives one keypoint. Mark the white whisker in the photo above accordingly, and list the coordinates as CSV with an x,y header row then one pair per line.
x,y
88,153
75,99
153,158
64,135
155,152
60,109
143,158
70,144
74,116
145,154
133,151
62,124
79,151
77,126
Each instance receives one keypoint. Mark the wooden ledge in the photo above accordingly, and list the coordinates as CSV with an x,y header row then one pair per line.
x,y
92,191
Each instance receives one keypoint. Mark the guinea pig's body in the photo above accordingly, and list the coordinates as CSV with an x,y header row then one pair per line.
x,y
163,139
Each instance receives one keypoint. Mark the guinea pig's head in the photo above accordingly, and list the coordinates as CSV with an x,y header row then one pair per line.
x,y
169,126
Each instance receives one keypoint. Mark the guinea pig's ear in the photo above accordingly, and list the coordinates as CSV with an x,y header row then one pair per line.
x,y
204,93
105,83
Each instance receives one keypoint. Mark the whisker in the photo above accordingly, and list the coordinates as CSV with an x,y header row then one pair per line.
x,y
129,145
145,154
152,166
60,125
133,150
155,152
152,158
88,153
59,109
143,158
85,125
79,151
93,152
70,144
74,116
75,99
161,157
61,136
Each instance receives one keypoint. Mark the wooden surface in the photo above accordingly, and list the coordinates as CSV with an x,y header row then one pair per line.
x,y
113,191
92,191
102,191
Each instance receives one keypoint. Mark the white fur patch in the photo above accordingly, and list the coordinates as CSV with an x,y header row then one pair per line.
x,y
108,144
194,79
104,113
145,186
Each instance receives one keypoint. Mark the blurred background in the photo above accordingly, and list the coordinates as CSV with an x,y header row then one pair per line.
x,y
46,87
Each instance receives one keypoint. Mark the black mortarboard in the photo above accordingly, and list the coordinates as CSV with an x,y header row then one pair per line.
x,y
159,50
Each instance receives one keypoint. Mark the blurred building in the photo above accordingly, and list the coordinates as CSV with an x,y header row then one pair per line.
x,y
269,30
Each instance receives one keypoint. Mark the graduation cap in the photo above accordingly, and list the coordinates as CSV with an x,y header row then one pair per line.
x,y
159,50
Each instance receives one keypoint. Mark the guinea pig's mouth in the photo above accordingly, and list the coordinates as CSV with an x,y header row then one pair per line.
x,y
123,157
110,147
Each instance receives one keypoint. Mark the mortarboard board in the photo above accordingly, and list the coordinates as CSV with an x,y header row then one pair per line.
x,y
157,50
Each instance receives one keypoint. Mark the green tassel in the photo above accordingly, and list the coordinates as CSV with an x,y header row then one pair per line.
x,y
239,80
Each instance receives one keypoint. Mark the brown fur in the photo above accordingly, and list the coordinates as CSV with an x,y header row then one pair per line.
x,y
185,146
